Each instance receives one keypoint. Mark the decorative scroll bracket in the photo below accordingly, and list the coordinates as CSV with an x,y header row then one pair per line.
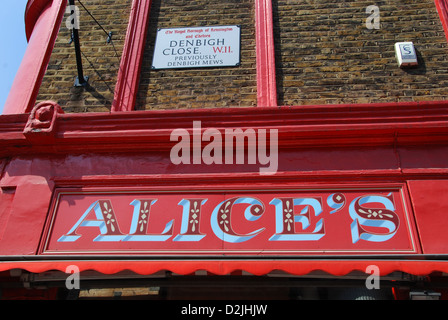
x,y
42,121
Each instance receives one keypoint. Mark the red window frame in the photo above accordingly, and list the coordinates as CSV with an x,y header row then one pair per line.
x,y
128,78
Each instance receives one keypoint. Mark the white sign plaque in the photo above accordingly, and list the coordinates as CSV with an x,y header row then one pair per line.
x,y
197,47
405,54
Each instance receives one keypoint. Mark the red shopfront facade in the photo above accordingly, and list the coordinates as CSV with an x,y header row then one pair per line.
x,y
355,186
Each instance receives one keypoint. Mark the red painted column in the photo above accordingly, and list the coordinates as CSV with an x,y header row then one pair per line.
x,y
264,26
42,18
442,8
130,67
131,60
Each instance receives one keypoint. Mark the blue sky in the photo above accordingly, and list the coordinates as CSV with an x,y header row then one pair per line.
x,y
12,44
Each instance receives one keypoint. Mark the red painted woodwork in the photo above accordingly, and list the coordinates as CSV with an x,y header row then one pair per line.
x,y
353,146
337,267
248,223
431,210
132,57
442,8
265,53
303,126
334,146
128,77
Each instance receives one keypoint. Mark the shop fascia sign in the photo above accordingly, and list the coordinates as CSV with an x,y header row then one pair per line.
x,y
198,47
348,221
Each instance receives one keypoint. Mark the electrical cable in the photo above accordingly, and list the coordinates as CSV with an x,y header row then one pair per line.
x,y
107,33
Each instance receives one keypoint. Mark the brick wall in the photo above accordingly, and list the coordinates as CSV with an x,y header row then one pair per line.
x,y
200,87
100,60
326,55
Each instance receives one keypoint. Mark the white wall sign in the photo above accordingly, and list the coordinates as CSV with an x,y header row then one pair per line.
x,y
197,47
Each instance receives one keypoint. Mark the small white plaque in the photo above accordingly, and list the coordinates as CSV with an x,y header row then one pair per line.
x,y
406,54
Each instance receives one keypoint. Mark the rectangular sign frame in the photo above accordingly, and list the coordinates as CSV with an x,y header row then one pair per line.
x,y
197,47
249,223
